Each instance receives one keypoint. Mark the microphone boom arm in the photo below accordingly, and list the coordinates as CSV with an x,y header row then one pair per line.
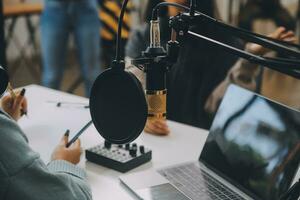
x,y
287,67
183,22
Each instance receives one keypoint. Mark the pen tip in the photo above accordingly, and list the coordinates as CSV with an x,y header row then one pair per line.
x,y
67,133
23,92
23,112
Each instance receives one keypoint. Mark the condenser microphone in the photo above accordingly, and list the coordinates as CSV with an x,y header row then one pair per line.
x,y
155,62
156,92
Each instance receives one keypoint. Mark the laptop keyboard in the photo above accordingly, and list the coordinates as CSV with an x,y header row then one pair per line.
x,y
198,184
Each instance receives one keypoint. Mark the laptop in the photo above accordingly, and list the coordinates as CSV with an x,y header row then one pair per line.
x,y
252,152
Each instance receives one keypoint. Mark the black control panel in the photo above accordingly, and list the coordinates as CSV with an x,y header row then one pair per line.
x,y
122,158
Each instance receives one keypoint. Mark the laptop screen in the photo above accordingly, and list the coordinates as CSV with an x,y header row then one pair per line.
x,y
254,143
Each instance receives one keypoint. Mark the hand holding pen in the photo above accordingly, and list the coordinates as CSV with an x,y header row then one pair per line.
x,y
71,153
15,104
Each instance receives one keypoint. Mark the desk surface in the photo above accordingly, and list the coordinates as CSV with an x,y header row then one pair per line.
x,y
46,124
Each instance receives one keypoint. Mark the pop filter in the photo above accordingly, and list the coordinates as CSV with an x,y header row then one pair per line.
x,y
117,103
118,106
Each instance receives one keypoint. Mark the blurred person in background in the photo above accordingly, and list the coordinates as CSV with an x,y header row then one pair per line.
x,y
244,73
194,81
199,69
265,16
60,19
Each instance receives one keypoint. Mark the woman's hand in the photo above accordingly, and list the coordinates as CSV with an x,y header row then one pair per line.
x,y
16,107
71,154
157,127
279,34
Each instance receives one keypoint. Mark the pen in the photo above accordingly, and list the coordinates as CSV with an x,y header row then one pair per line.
x,y
78,134
67,133
61,103
23,112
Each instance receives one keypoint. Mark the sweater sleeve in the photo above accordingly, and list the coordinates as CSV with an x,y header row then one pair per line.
x,y
23,175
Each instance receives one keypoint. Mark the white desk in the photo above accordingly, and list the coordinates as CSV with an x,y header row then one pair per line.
x,y
46,124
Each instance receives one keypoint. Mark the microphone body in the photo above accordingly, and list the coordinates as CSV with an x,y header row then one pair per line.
x,y
156,92
155,62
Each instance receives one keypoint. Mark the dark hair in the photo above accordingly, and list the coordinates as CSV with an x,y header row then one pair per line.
x,y
267,3
206,6
266,9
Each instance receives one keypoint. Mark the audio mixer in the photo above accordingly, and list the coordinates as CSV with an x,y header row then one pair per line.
x,y
121,158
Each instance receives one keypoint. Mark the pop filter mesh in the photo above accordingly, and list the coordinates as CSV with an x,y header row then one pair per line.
x,y
118,106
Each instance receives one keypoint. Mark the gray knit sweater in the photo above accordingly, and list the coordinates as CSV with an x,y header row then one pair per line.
x,y
24,176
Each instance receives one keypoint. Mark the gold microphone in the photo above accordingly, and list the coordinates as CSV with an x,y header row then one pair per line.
x,y
156,92
157,103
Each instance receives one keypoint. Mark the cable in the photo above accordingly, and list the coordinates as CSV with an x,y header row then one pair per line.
x,y
157,7
119,35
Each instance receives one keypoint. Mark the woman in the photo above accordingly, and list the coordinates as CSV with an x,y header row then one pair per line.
x,y
60,19
244,73
24,175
